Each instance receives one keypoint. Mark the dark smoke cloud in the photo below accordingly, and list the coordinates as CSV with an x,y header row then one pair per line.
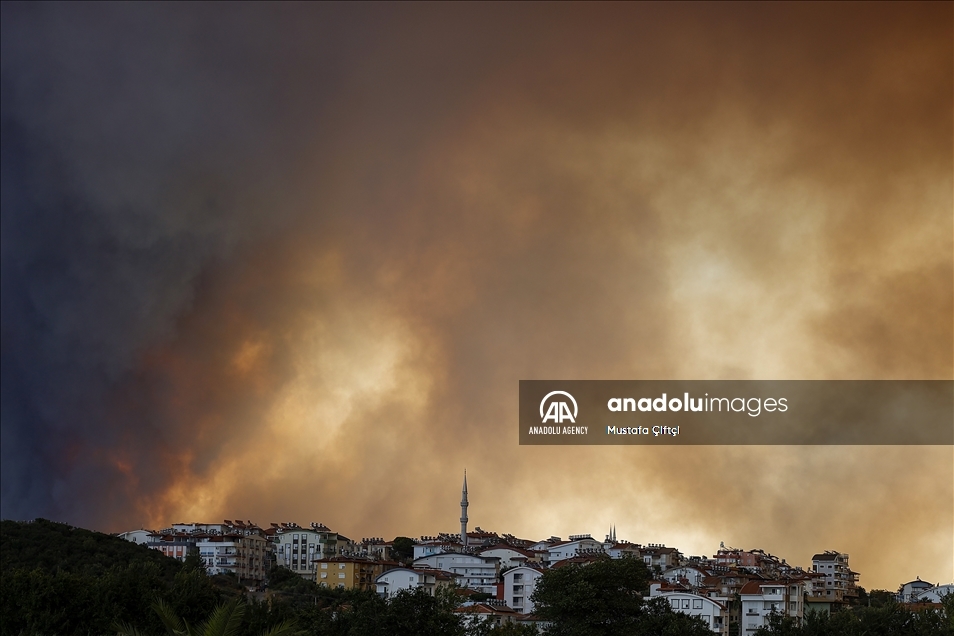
x,y
290,262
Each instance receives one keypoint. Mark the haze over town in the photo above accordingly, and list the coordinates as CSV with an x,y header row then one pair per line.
x,y
291,262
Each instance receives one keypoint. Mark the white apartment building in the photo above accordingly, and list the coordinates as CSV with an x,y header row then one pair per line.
x,y
621,549
428,546
509,556
713,613
909,591
578,544
519,584
762,598
393,581
470,570
136,536
934,594
657,555
686,574
176,545
840,581
297,548
244,555
232,546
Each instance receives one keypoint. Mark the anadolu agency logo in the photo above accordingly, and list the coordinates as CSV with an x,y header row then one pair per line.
x,y
558,410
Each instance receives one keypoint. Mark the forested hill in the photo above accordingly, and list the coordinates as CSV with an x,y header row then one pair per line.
x,y
58,547
57,579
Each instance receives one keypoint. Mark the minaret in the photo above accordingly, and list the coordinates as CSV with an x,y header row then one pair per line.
x,y
463,512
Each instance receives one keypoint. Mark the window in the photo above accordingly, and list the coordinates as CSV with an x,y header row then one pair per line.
x,y
697,603
685,603
324,566
341,575
518,577
674,602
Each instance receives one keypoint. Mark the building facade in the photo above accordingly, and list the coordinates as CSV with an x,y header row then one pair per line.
x,y
710,612
350,572
519,584
395,580
470,570
841,584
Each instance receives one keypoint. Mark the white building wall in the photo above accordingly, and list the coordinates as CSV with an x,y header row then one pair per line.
x,y
756,608
508,558
136,536
713,614
471,571
519,584
693,575
393,581
934,594
571,549
297,549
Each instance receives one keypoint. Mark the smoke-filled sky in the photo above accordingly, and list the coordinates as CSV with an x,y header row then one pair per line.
x,y
289,262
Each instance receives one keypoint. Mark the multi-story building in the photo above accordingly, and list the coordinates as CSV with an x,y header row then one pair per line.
x,y
232,547
350,572
519,584
470,570
909,591
713,613
136,536
297,548
171,543
934,594
577,545
397,579
658,557
239,551
375,548
622,549
688,575
841,584
440,544
761,599
238,547
511,556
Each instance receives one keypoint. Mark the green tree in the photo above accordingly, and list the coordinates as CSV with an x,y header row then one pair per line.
x,y
593,599
659,619
403,549
414,612
605,598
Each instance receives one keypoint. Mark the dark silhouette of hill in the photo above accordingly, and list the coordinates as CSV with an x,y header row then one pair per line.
x,y
58,547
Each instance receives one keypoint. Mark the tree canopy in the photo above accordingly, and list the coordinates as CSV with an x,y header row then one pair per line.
x,y
604,597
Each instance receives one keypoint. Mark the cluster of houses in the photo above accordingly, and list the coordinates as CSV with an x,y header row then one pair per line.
x,y
497,574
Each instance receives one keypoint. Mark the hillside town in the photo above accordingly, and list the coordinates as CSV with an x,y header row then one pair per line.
x,y
733,591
